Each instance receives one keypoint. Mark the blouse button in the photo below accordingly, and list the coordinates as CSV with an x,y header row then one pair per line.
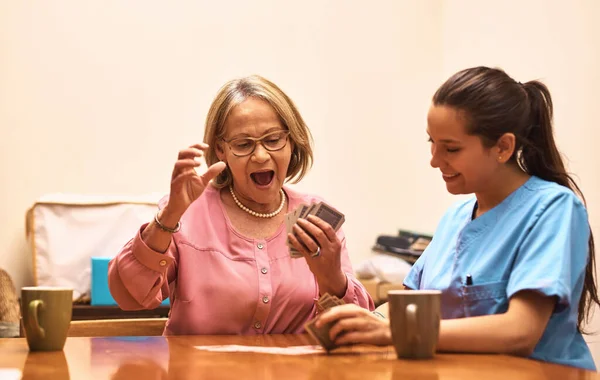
x,y
260,246
257,325
264,271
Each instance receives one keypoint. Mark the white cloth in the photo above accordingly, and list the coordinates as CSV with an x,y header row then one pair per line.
x,y
386,268
65,230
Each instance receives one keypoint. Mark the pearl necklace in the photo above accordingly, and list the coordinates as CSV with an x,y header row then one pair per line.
x,y
254,213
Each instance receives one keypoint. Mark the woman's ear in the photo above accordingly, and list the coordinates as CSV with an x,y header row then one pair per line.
x,y
506,146
219,150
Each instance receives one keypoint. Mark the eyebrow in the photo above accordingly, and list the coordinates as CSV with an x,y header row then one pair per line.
x,y
242,135
445,141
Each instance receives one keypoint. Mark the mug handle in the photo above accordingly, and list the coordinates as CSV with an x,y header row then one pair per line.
x,y
34,325
411,324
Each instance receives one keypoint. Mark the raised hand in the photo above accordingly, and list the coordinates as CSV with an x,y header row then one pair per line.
x,y
186,184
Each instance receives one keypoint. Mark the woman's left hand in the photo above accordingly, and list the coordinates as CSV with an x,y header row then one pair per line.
x,y
318,243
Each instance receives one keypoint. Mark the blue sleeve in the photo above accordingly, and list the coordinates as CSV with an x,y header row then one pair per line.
x,y
552,258
413,278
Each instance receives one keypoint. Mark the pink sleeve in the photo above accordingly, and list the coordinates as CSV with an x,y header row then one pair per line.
x,y
355,292
138,277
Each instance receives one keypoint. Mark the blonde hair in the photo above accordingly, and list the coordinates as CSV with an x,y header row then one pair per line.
x,y
237,91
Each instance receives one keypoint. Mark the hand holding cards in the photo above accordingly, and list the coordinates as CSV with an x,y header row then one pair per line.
x,y
321,335
321,210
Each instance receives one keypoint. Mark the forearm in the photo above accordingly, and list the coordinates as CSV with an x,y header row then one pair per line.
x,y
334,285
137,276
156,238
350,290
499,333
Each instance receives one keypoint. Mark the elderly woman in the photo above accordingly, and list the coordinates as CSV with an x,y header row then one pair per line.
x,y
218,244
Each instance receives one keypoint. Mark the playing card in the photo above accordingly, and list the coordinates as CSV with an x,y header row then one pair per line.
x,y
321,335
292,350
321,210
297,213
312,209
329,215
303,210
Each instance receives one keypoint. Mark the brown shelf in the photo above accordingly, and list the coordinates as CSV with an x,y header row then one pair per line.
x,y
86,312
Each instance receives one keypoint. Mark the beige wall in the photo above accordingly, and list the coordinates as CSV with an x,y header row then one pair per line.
x,y
97,98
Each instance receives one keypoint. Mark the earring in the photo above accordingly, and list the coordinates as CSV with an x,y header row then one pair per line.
x,y
499,158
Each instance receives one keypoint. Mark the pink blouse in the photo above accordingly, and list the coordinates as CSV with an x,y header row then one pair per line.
x,y
221,282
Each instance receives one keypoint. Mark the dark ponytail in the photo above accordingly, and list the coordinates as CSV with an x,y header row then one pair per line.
x,y
543,159
495,104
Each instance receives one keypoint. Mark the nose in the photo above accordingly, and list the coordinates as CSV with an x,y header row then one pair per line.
x,y
260,154
435,158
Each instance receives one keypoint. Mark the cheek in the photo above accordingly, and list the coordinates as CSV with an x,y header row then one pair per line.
x,y
283,162
480,171
237,166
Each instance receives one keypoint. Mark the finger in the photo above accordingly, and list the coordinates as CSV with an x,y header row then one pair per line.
x,y
184,166
324,226
213,171
354,337
357,323
183,177
303,237
201,146
339,312
314,231
298,245
190,153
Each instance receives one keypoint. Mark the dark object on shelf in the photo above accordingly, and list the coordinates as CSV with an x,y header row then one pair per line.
x,y
407,245
86,312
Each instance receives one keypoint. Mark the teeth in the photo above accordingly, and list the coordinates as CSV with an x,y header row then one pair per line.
x,y
449,175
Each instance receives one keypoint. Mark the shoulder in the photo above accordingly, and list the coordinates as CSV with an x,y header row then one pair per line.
x,y
545,196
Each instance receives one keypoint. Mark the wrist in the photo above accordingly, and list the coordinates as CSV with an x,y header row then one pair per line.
x,y
168,218
335,286
388,335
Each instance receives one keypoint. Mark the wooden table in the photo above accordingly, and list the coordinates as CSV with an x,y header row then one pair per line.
x,y
153,358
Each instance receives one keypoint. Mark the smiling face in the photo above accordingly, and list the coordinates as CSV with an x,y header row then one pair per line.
x,y
466,165
257,177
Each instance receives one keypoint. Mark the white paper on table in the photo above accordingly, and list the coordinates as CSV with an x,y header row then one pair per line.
x,y
292,350
10,374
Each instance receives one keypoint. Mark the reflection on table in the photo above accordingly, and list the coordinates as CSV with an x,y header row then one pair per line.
x,y
152,358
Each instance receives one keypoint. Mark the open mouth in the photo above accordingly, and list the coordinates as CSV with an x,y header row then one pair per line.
x,y
263,178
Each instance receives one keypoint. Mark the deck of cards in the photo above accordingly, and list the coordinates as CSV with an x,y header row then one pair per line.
x,y
321,210
321,335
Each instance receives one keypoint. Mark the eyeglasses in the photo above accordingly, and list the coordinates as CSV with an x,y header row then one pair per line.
x,y
244,146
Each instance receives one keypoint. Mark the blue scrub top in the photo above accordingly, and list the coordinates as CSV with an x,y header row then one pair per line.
x,y
536,239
